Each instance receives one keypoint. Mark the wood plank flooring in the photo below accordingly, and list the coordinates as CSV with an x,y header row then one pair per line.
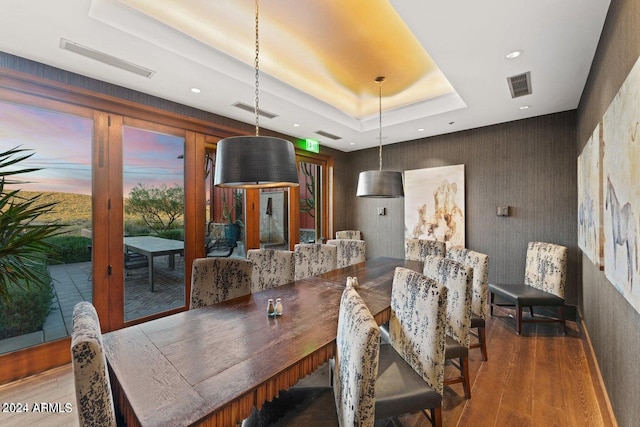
x,y
540,378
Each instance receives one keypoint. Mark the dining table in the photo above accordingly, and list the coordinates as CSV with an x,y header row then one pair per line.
x,y
212,365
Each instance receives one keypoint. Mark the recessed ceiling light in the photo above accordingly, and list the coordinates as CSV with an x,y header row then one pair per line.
x,y
524,107
195,90
420,129
513,54
296,125
352,143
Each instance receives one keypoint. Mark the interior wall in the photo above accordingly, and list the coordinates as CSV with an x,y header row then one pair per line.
x,y
529,165
612,323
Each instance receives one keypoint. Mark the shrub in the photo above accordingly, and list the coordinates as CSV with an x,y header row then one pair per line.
x,y
136,227
174,234
26,307
68,249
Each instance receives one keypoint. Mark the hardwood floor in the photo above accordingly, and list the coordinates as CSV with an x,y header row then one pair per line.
x,y
540,378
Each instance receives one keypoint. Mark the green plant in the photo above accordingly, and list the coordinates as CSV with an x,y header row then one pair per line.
x,y
308,204
68,249
24,310
159,207
23,246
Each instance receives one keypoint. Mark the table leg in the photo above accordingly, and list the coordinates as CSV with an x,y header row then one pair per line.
x,y
172,262
151,272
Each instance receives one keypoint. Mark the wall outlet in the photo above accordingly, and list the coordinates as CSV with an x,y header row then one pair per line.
x,y
502,211
382,211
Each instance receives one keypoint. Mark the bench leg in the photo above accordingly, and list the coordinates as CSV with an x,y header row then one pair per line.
x,y
562,319
518,318
482,337
491,296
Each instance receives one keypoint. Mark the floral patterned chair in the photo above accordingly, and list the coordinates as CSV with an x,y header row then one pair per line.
x,y
312,259
458,279
351,402
93,389
350,251
411,366
271,268
544,280
418,249
479,262
348,234
214,280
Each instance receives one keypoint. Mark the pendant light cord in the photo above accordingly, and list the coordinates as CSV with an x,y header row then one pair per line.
x,y
257,68
380,80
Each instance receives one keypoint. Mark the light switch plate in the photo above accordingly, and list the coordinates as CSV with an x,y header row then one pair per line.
x,y
502,211
382,211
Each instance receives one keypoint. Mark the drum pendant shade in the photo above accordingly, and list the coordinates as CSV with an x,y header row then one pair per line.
x,y
382,184
255,162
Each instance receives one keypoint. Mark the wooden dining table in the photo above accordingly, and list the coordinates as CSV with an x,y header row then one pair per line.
x,y
211,366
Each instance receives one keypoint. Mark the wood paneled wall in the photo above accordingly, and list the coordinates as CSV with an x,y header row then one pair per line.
x,y
613,324
529,165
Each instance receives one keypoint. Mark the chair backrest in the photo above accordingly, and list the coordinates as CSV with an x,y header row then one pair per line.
x,y
271,268
356,362
479,262
418,323
93,388
214,280
458,279
350,251
418,249
348,234
546,267
312,259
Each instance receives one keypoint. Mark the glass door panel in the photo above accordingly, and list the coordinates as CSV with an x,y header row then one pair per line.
x,y
311,221
153,189
274,218
60,149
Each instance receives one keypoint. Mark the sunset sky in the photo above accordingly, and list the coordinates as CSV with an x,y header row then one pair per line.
x,y
62,145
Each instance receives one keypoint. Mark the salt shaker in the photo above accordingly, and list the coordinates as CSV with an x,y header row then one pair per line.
x,y
349,282
271,311
278,309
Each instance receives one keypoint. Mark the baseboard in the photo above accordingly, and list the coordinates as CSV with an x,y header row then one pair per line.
x,y
593,364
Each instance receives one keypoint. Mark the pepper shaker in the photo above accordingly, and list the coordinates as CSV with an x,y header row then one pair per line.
x,y
270,308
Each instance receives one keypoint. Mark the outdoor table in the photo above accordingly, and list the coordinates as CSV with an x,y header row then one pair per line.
x,y
151,247
210,366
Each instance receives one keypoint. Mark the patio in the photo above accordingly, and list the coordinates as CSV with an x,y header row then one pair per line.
x,y
72,283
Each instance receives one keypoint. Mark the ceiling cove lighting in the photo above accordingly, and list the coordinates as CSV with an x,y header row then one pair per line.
x,y
380,183
255,161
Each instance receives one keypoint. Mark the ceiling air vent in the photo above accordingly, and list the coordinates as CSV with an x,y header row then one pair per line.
x,y
105,58
328,135
252,110
520,85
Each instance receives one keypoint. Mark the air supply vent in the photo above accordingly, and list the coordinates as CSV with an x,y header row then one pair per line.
x,y
105,58
252,110
520,85
328,135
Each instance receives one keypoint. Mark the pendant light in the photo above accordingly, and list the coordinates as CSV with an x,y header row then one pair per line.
x,y
255,161
379,183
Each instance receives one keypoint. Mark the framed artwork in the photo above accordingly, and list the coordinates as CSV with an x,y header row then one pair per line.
x,y
272,226
621,186
434,204
590,231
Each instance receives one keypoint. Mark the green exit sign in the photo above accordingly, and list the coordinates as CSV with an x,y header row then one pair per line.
x,y
312,145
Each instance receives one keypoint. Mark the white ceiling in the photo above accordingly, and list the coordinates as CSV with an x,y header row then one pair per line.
x,y
468,41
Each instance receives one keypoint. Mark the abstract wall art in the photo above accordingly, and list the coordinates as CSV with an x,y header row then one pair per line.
x,y
590,207
621,188
434,204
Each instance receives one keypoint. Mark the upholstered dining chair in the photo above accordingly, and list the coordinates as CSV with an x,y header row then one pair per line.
x,y
349,252
214,280
458,279
411,367
351,401
544,280
91,379
479,262
271,268
418,249
349,234
312,259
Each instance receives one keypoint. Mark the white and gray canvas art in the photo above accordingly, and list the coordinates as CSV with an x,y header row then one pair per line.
x,y
621,188
434,204
590,198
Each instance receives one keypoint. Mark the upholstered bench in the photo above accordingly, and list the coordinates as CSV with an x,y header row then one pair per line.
x,y
545,277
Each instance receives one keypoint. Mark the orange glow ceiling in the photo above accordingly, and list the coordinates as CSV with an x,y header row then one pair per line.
x,y
332,50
